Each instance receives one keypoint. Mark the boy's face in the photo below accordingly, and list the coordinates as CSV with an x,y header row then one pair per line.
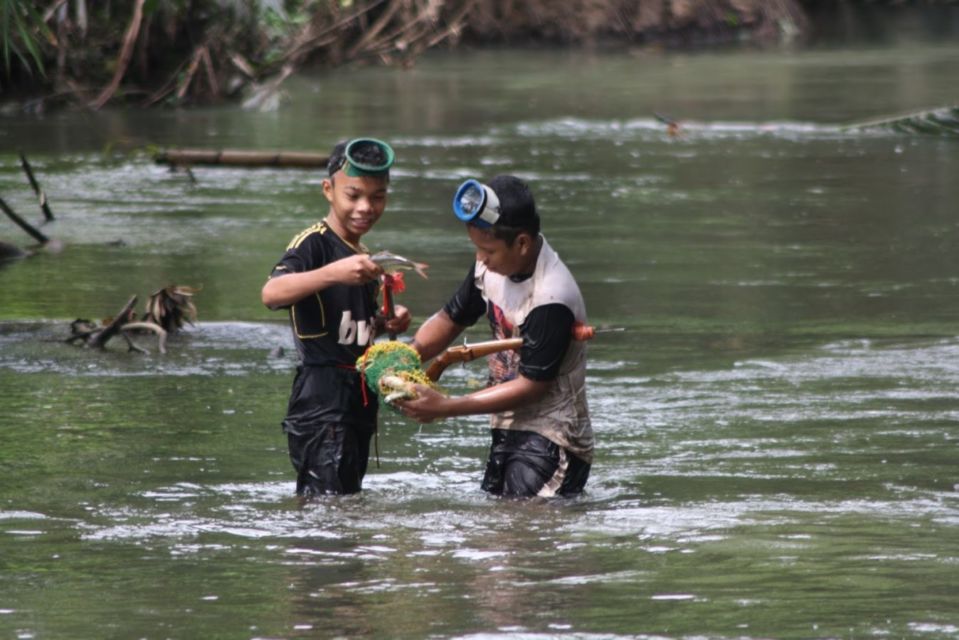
x,y
498,257
355,203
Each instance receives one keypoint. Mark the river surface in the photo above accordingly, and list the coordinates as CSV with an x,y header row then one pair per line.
x,y
777,421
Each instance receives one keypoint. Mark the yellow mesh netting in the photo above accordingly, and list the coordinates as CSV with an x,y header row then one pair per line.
x,y
385,362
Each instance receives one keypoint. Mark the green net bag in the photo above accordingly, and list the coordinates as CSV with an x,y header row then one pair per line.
x,y
391,369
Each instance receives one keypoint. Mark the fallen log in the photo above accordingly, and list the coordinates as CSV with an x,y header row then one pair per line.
x,y
240,158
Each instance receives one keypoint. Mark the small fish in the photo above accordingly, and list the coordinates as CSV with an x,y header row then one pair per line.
x,y
391,263
395,388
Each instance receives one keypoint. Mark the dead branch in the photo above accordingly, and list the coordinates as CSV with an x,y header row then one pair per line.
x,y
126,53
265,95
146,326
35,233
52,10
41,196
167,310
167,87
306,41
210,73
190,72
97,337
381,22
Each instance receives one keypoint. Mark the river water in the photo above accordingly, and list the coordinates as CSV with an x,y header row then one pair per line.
x,y
777,422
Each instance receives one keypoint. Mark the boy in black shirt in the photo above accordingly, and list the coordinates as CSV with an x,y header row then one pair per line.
x,y
328,283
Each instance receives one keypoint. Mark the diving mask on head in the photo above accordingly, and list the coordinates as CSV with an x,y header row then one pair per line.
x,y
355,163
476,203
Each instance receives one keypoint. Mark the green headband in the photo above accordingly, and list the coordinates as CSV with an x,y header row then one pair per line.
x,y
356,169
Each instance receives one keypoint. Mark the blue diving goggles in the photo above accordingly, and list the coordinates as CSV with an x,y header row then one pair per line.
x,y
476,203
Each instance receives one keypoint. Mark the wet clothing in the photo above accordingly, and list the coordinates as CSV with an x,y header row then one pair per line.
x,y
523,464
330,458
542,308
330,416
335,325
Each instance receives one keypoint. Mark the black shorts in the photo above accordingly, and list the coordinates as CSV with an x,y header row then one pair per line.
x,y
524,464
330,459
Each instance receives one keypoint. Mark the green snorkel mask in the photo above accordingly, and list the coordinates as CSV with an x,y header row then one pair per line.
x,y
356,161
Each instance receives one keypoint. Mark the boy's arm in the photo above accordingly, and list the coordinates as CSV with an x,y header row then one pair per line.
x,y
435,335
284,290
462,311
546,337
431,405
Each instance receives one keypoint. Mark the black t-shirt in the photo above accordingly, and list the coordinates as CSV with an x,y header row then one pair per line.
x,y
335,325
546,333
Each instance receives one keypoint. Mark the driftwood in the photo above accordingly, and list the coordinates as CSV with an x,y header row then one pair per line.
x,y
96,336
240,158
41,196
167,310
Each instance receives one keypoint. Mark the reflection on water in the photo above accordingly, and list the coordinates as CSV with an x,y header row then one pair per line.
x,y
777,423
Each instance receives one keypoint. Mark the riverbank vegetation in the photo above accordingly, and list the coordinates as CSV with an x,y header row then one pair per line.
x,y
171,52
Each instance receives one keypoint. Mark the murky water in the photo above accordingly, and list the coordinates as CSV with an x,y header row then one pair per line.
x,y
777,425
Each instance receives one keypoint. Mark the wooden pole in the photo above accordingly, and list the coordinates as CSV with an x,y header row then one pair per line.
x,y
41,196
23,224
241,158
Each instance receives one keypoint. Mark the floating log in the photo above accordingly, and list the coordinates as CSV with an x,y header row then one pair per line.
x,y
943,121
240,158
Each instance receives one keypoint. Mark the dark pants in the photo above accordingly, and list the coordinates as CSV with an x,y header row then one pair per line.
x,y
330,459
524,464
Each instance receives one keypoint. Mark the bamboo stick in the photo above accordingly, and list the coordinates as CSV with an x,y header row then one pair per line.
x,y
240,158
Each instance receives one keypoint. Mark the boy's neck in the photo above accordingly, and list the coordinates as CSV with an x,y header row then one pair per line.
x,y
333,224
530,265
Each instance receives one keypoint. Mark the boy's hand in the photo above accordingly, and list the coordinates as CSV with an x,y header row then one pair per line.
x,y
401,322
358,269
427,406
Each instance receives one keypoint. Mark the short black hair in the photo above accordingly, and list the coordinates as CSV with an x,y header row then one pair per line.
x,y
517,209
337,157
371,154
